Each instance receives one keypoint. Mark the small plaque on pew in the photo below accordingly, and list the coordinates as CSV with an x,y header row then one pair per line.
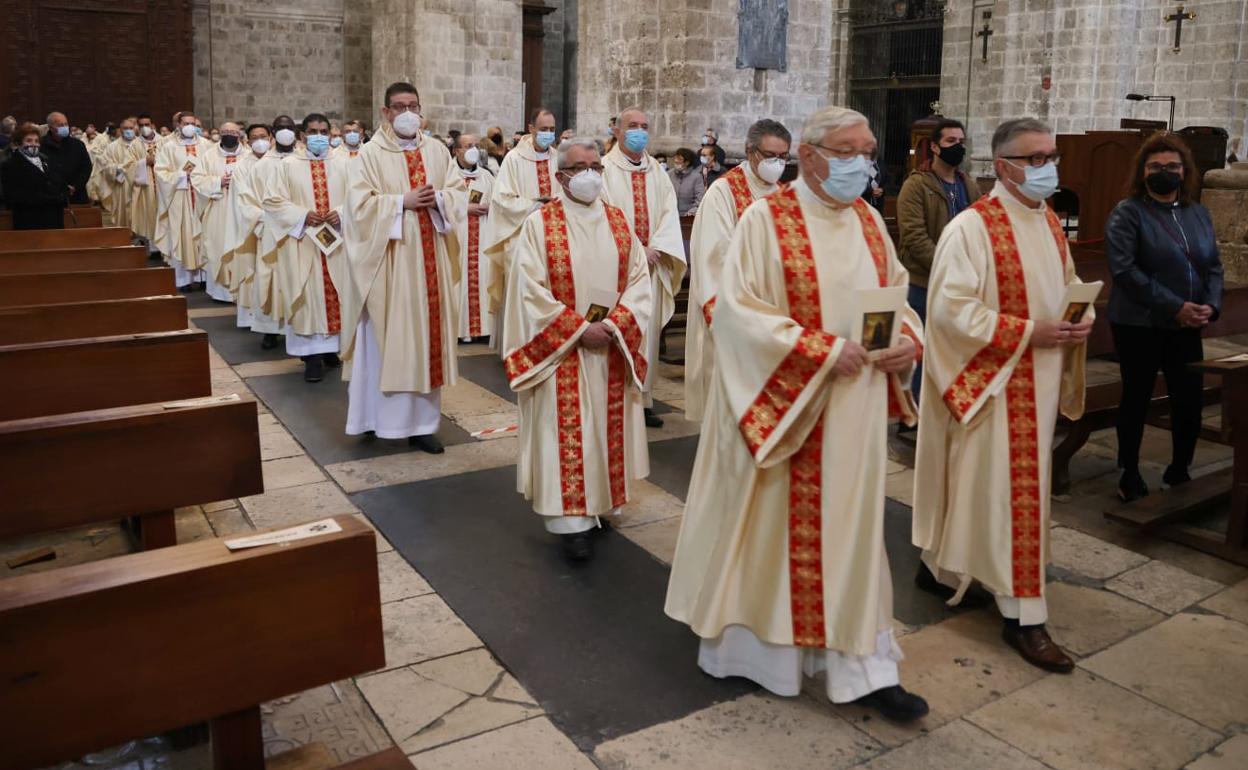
x,y
301,532
1239,358
205,401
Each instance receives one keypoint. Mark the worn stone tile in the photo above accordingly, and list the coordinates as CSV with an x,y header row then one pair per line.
x,y
219,505
190,525
1089,556
267,421
473,717
534,744
1233,602
407,703
276,444
1084,620
467,400
295,505
674,426
334,715
388,470
752,732
290,472
958,665
473,672
1082,722
398,579
422,628
510,690
1195,665
1162,586
474,423
659,538
266,368
958,745
1231,755
383,545
647,503
228,521
477,349
900,486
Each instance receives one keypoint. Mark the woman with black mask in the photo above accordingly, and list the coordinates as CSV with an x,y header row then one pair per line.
x,y
1167,286
33,187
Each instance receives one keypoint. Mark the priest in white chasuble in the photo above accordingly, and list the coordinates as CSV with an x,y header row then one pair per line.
x,y
244,220
216,213
183,180
267,306
635,183
404,201
475,317
1002,363
304,206
526,182
115,165
140,169
780,566
579,299
766,156
352,140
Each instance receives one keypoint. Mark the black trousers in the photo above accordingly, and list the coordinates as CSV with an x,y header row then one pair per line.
x,y
1142,351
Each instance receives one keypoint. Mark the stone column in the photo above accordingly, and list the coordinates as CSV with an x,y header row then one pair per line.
x,y
1225,194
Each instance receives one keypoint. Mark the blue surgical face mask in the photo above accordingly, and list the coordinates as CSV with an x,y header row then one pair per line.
x,y
1040,183
636,139
847,178
127,134
199,130
335,141
544,139
352,137
318,144
62,131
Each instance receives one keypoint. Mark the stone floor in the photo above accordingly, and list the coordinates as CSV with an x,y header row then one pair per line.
x,y
1160,631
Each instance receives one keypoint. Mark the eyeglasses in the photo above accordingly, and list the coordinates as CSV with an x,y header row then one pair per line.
x,y
1173,168
406,108
578,168
784,156
1038,160
844,154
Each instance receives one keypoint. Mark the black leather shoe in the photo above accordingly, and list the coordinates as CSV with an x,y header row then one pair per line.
x,y
578,546
653,420
895,704
332,360
1131,486
974,597
1175,476
269,341
313,368
428,443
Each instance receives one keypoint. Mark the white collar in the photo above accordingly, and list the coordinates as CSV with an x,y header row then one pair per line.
x,y
471,173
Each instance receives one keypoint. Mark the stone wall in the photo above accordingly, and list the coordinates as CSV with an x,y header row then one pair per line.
x,y
1226,197
1094,54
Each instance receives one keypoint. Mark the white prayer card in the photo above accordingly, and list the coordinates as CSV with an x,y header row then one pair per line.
x,y
878,314
301,532
601,303
326,238
1079,297
140,174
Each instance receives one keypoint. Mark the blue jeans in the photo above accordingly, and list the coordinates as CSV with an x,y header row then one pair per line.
x,y
917,299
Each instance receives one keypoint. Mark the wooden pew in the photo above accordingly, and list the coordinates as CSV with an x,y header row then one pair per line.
x,y
85,286
74,217
100,653
86,467
44,378
73,260
74,320
26,240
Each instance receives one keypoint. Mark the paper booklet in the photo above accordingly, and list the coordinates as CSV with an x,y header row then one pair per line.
x,y
601,303
325,237
878,317
1079,297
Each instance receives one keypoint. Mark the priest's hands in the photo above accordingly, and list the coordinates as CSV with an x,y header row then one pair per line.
x,y
1050,334
225,181
478,209
851,360
652,257
898,358
596,336
420,198
1193,316
1080,331
332,219
312,219
151,160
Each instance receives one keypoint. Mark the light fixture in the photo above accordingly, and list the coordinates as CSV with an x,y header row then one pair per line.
x,y
1149,98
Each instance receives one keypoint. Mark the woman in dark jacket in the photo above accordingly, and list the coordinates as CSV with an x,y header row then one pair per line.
x,y
687,181
1167,286
32,186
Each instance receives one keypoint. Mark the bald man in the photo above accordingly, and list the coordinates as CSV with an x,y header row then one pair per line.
x,y
69,156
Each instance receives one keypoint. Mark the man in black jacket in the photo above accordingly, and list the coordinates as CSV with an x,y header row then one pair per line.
x,y
69,156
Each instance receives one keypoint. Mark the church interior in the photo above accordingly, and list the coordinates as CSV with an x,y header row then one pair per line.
x,y
409,612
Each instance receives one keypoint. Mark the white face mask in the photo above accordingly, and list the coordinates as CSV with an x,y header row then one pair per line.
x,y
260,146
285,137
586,186
407,124
770,170
147,131
471,156
188,131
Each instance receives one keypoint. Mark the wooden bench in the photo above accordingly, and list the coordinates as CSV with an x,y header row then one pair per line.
x,y
31,240
73,260
85,286
128,461
101,653
74,217
103,318
43,378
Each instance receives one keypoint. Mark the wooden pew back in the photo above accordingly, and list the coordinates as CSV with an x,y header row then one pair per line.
x,y
85,286
72,260
105,318
27,240
75,216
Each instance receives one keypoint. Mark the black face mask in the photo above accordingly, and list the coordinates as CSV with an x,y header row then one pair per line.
x,y
229,141
953,155
1163,182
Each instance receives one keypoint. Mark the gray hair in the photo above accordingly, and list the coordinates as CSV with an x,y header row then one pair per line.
x,y
584,142
619,119
1010,130
829,120
766,127
53,113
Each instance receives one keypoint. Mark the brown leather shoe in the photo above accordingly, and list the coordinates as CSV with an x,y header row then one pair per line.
x,y
1038,648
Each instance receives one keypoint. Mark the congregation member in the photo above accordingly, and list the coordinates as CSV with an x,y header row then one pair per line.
x,y
687,182
634,183
476,320
1000,364
575,346
267,303
116,163
303,205
404,200
1167,286
32,184
245,225
69,156
712,158
767,145
780,566
216,214
183,179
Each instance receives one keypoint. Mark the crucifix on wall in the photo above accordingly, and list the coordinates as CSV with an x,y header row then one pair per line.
x,y
985,33
1178,17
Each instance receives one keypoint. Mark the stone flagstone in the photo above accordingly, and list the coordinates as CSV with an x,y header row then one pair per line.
x,y
290,472
1233,602
1085,620
422,628
1232,755
1162,586
388,470
398,579
1090,556
958,745
295,505
534,744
